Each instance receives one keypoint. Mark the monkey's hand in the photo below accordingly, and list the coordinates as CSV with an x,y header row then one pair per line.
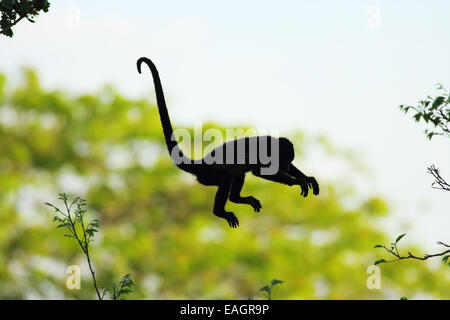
x,y
314,185
254,203
304,185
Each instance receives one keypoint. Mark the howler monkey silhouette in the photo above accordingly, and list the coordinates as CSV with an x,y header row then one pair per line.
x,y
229,176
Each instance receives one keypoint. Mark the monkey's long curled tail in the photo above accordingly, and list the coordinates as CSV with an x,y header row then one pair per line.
x,y
171,143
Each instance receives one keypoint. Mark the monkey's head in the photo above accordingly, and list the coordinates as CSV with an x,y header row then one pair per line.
x,y
286,151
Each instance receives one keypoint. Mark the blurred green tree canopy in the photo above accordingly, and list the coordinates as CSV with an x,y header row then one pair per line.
x,y
156,222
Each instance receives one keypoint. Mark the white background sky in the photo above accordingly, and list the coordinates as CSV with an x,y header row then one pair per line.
x,y
324,67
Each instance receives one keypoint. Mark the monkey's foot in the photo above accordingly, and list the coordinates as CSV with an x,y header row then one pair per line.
x,y
255,204
231,219
229,216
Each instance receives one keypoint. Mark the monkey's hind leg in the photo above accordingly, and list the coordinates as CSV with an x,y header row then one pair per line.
x,y
220,201
235,194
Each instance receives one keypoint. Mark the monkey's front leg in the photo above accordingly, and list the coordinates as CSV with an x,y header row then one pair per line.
x,y
220,201
235,194
311,181
284,178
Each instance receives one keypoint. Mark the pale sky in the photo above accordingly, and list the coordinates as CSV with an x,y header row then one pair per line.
x,y
324,67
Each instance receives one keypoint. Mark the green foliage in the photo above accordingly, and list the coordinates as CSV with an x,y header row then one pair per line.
x,y
434,111
83,234
13,11
124,287
156,222
267,289
71,220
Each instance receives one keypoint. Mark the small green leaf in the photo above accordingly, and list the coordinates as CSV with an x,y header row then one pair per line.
x,y
275,282
378,246
439,100
417,116
265,288
95,223
125,291
399,237
380,261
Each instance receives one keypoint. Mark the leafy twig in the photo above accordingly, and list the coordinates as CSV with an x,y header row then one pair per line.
x,y
435,111
117,290
394,251
268,288
70,219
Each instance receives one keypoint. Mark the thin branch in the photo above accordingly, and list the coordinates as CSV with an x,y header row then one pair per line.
x,y
439,182
443,244
86,243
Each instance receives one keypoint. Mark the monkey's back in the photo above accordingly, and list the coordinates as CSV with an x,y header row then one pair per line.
x,y
244,154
